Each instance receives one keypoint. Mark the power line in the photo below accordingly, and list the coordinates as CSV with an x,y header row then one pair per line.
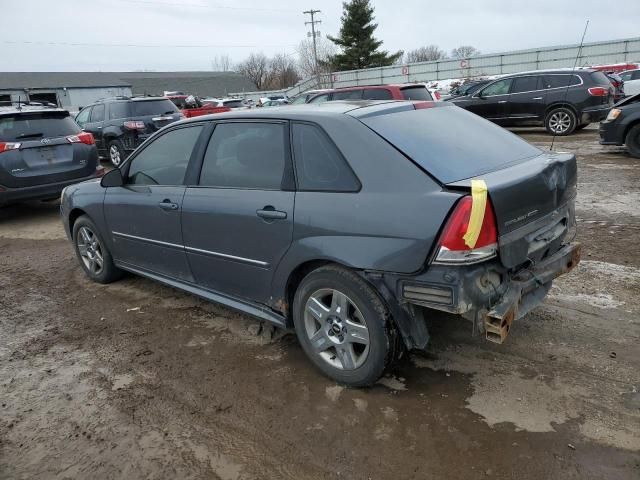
x,y
87,44
210,7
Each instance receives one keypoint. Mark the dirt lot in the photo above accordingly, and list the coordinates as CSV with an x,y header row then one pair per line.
x,y
136,380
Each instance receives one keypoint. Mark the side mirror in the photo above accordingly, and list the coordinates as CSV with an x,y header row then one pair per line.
x,y
112,179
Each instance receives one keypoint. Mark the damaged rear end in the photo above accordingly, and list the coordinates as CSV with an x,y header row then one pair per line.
x,y
496,267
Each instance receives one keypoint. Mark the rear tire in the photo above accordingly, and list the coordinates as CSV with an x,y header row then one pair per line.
x,y
94,256
632,141
116,152
344,327
560,121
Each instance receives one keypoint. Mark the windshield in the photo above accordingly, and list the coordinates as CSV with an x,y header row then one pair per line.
x,y
24,126
153,107
428,137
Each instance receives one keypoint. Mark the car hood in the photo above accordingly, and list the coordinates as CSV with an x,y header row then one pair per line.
x,y
631,102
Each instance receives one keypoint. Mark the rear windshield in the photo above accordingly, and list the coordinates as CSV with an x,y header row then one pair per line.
x,y
153,107
233,103
451,143
25,126
416,93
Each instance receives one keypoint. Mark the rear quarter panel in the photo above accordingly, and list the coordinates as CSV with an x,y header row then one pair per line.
x,y
390,225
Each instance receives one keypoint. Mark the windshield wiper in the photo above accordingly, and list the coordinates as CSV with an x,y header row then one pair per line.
x,y
28,135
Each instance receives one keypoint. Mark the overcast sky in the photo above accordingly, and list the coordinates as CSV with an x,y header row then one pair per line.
x,y
121,35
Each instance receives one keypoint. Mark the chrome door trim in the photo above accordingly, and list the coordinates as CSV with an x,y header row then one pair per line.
x,y
148,240
227,257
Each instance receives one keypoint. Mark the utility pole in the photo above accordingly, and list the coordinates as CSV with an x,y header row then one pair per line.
x,y
313,22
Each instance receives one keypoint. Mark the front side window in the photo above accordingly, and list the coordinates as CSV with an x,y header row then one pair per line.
x,y
319,164
526,84
165,160
83,116
97,113
320,98
245,155
500,87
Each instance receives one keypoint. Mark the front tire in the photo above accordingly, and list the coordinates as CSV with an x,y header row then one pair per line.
x,y
344,327
560,121
116,152
632,141
94,256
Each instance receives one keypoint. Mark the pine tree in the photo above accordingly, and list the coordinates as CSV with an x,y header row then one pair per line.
x,y
359,46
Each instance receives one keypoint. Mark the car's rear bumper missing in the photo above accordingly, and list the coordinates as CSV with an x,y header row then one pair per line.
x,y
487,293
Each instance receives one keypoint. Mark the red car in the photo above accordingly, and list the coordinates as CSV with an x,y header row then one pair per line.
x,y
403,91
198,109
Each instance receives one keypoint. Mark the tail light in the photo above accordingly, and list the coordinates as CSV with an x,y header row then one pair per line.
x,y
437,95
6,146
452,248
598,91
134,125
82,137
421,105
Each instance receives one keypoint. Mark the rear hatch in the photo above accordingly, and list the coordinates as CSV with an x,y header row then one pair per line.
x,y
41,149
531,191
601,80
155,113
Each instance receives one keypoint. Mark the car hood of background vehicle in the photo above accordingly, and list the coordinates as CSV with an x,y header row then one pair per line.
x,y
633,100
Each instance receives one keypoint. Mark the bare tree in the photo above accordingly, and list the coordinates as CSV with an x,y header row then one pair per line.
x,y
306,63
465,51
221,63
256,69
427,53
282,72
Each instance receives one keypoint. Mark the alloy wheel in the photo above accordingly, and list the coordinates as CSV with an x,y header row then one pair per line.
x,y
114,155
336,329
90,250
560,122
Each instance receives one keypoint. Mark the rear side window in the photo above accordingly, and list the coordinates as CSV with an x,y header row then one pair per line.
x,y
526,84
348,95
36,125
416,93
425,136
97,113
557,81
233,103
165,160
153,107
600,78
118,110
245,155
319,164
83,116
376,94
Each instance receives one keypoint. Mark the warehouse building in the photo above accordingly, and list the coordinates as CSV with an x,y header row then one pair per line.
x,y
73,90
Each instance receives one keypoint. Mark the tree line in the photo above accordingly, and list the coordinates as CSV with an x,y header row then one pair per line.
x,y
355,47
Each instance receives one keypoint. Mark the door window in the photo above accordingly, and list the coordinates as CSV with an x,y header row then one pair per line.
x,y
164,161
83,116
349,95
526,84
320,98
626,76
558,81
97,113
319,164
500,87
376,94
246,155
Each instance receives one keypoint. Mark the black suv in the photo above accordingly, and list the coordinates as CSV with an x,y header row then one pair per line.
x,y
121,124
561,100
42,150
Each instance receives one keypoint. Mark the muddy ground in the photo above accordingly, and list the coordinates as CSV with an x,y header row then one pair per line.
x,y
136,380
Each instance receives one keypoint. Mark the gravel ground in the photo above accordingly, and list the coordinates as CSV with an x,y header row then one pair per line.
x,y
136,380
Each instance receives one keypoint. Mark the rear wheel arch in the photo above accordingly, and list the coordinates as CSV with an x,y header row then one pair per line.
x,y
561,104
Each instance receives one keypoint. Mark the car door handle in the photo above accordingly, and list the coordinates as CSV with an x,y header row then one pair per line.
x,y
502,101
167,204
271,213
536,98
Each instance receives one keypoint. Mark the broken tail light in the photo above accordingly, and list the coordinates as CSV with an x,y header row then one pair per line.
x,y
82,137
6,146
452,248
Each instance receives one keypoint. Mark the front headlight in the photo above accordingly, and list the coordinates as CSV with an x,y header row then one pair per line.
x,y
613,114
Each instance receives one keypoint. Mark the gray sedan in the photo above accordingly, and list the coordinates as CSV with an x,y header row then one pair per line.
x,y
348,221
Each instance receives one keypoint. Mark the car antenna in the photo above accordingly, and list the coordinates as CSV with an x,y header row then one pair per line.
x,y
573,70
